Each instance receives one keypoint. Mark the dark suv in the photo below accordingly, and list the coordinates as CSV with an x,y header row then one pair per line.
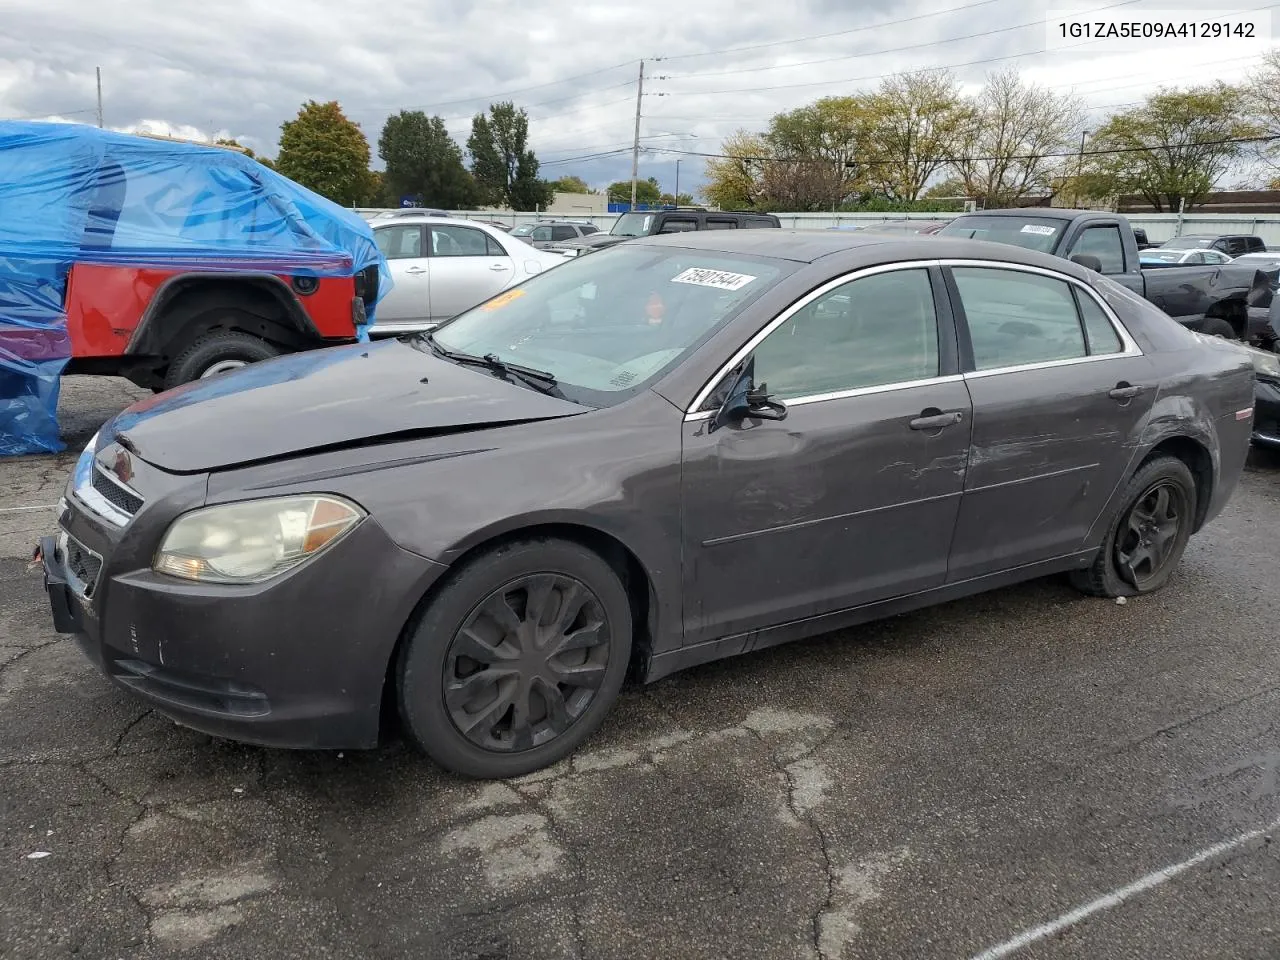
x,y
1233,245
647,224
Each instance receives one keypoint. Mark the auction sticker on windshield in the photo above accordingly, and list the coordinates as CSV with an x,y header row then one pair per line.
x,y
705,277
1039,230
502,299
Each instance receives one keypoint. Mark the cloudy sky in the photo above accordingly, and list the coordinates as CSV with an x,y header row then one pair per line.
x,y
236,68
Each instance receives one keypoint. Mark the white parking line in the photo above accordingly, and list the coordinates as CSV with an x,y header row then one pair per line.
x,y
45,506
1117,897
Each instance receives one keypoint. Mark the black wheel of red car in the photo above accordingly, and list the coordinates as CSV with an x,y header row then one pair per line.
x,y
215,353
516,659
1149,534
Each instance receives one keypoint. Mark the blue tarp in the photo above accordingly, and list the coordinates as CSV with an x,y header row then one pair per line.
x,y
71,193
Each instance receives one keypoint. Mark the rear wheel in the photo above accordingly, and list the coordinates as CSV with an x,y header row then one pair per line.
x,y
1147,538
217,353
516,660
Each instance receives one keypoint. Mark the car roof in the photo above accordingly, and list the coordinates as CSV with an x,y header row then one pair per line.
x,y
809,246
426,218
1046,213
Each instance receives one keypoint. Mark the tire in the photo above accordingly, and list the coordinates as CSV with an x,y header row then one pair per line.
x,y
1217,327
214,350
438,699
1109,575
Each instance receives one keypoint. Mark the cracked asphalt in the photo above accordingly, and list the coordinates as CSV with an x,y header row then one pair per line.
x,y
934,785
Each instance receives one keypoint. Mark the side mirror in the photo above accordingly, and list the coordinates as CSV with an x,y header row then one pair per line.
x,y
746,401
1088,261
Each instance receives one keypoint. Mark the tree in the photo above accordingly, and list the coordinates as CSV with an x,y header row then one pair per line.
x,y
818,147
236,145
1007,150
424,162
1262,96
570,185
326,152
675,200
505,169
1172,148
735,181
917,121
647,191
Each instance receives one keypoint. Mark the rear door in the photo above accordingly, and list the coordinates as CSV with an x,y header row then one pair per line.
x,y
1061,395
408,302
467,266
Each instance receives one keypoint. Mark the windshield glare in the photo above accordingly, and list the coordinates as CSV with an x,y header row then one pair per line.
x,y
608,325
522,231
1033,233
632,225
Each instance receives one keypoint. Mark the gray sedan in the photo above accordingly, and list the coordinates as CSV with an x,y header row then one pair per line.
x,y
679,449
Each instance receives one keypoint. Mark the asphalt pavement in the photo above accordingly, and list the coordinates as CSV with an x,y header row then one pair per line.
x,y
1029,773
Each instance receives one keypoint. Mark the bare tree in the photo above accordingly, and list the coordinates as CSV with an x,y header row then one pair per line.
x,y
1007,150
918,120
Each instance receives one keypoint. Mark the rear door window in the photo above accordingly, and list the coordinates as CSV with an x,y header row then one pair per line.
x,y
563,233
678,225
1017,318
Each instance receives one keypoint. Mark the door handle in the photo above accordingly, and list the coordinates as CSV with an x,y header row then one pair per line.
x,y
934,419
1124,391
499,266
414,270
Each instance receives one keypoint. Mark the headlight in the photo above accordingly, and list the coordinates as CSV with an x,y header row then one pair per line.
x,y
255,540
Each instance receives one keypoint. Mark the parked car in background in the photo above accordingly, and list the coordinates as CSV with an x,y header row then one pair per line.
x,y
631,225
1158,256
409,212
443,266
544,233
908,226
676,450
1208,298
1233,245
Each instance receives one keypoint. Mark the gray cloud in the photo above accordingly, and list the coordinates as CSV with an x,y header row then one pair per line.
x,y
239,68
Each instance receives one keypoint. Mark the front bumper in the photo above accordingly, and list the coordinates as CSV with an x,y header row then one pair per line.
x,y
299,661
1266,412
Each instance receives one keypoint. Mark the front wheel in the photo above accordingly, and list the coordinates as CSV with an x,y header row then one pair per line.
x,y
516,659
1147,539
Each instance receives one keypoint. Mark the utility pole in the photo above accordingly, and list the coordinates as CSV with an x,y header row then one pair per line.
x,y
677,193
635,146
1080,166
99,72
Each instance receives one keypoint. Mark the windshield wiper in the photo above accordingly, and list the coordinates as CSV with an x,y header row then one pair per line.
x,y
538,379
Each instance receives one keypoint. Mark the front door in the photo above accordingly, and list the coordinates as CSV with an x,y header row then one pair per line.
x,y
467,266
853,496
1061,395
408,302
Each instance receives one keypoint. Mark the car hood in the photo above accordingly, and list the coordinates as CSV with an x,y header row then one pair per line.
x,y
322,399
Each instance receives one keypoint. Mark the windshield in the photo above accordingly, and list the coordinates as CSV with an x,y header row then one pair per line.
x,y
608,325
1161,256
523,230
1033,233
1185,243
632,225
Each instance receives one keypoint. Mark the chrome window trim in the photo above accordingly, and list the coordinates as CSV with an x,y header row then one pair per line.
x,y
1130,346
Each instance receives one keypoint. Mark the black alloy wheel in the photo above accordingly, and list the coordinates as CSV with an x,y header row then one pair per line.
x,y
527,662
515,658
1149,532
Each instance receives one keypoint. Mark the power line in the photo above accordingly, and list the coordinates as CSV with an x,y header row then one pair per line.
x,y
828,36
539,86
52,113
877,53
953,160
878,76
